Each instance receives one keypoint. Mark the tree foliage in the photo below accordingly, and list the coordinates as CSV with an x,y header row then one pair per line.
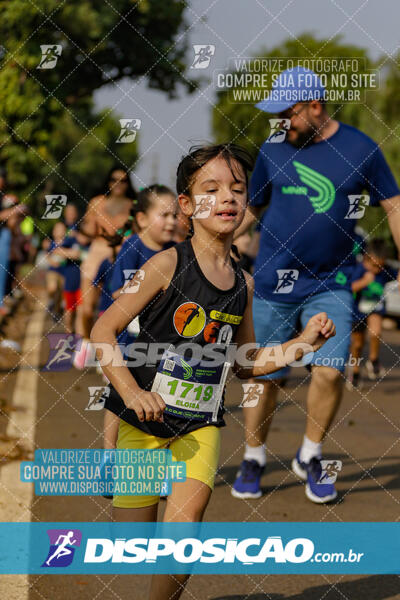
x,y
49,131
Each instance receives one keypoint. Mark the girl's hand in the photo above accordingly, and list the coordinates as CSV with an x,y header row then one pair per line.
x,y
149,406
318,330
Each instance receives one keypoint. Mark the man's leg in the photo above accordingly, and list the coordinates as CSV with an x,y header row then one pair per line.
x,y
323,400
274,323
257,419
325,391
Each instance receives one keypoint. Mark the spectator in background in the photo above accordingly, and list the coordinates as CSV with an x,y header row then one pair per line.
x,y
72,251
5,238
19,244
71,219
368,282
54,276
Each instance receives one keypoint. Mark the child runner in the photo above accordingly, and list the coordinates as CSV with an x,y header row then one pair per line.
x,y
155,218
54,275
369,279
185,292
73,249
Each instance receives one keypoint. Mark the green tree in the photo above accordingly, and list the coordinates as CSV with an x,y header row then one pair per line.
x,y
45,114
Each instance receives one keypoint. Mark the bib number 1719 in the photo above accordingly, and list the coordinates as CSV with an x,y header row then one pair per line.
x,y
198,393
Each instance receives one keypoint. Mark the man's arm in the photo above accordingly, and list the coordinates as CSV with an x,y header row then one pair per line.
x,y
392,208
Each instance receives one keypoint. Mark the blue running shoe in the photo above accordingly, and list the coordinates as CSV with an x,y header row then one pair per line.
x,y
299,467
247,483
316,490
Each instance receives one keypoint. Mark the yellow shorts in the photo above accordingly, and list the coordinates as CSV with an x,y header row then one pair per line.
x,y
199,449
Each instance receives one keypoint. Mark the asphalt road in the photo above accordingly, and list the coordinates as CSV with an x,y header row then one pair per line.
x,y
365,437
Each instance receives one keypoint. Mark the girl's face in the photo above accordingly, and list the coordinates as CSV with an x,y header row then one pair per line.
x,y
59,231
118,183
218,197
160,219
70,214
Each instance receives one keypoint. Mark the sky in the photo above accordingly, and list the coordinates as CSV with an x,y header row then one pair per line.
x,y
237,28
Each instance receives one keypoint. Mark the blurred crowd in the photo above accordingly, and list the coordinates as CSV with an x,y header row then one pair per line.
x,y
89,258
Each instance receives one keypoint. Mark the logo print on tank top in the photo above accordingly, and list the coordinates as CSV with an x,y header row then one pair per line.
x,y
189,319
211,332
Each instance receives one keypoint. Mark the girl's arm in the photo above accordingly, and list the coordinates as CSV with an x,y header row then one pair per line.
x,y
71,253
158,272
318,329
117,293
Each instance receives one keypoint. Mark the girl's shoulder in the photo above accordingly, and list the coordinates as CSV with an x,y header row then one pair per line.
x,y
162,266
249,279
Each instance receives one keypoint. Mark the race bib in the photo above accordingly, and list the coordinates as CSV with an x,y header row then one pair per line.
x,y
190,392
134,327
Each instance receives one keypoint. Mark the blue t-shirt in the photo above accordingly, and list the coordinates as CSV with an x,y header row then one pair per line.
x,y
307,232
71,269
132,256
60,268
103,277
371,298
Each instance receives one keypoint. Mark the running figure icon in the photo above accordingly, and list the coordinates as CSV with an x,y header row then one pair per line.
x,y
203,55
287,279
62,550
65,347
193,312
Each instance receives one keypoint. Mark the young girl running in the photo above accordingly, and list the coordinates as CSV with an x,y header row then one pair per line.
x,y
188,293
154,216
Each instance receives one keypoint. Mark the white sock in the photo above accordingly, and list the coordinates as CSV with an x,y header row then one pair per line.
x,y
310,449
256,453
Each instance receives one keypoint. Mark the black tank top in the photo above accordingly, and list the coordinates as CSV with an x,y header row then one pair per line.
x,y
191,310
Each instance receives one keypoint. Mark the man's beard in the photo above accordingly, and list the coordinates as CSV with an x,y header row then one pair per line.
x,y
304,138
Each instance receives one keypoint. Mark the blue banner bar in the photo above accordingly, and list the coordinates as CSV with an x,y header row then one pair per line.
x,y
208,548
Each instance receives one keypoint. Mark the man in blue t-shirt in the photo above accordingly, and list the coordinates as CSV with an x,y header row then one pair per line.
x,y
315,185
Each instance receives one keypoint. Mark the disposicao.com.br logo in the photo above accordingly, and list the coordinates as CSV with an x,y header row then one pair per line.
x,y
248,551
200,548
191,550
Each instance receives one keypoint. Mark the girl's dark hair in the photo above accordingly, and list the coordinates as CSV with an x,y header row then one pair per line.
x,y
199,155
147,195
142,203
130,191
196,159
